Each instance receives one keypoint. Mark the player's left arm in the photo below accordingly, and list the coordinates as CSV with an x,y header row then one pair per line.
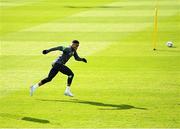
x,y
60,48
76,57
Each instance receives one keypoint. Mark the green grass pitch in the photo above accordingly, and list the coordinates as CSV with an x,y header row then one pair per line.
x,y
124,84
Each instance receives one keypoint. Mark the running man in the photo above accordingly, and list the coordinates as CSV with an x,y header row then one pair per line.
x,y
59,66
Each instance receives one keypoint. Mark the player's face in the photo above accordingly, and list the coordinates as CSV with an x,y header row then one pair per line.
x,y
75,46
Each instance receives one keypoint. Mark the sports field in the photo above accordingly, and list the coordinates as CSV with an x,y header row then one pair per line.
x,y
124,84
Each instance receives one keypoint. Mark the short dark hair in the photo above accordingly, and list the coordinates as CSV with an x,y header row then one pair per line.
x,y
75,41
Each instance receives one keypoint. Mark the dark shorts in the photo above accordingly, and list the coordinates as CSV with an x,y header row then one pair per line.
x,y
62,68
59,68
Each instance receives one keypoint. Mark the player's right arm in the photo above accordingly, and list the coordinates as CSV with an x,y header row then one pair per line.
x,y
60,48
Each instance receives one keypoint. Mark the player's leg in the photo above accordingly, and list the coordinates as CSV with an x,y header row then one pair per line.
x,y
51,75
67,71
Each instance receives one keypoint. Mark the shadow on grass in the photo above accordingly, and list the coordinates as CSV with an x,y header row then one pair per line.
x,y
100,104
170,49
18,117
31,119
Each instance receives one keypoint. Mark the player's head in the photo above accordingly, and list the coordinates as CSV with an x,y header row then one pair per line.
x,y
75,44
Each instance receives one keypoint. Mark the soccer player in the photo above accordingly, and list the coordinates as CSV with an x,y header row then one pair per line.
x,y
59,65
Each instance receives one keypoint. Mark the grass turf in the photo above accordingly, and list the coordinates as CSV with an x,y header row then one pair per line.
x,y
124,84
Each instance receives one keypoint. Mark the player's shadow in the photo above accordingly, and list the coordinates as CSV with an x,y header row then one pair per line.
x,y
19,117
100,104
31,119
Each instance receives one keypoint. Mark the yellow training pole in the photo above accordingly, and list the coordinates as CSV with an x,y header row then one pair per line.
x,y
155,29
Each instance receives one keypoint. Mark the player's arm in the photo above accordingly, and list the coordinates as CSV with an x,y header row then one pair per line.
x,y
76,57
60,48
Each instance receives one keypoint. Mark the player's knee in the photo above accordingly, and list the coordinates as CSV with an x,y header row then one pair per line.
x,y
48,79
71,75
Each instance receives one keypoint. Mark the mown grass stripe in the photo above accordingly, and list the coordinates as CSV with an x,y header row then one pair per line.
x,y
28,47
37,13
10,4
88,27
118,14
145,3
122,19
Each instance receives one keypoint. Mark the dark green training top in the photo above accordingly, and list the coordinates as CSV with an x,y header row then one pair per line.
x,y
68,52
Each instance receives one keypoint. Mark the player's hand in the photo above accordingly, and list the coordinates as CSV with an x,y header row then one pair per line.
x,y
84,60
44,51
